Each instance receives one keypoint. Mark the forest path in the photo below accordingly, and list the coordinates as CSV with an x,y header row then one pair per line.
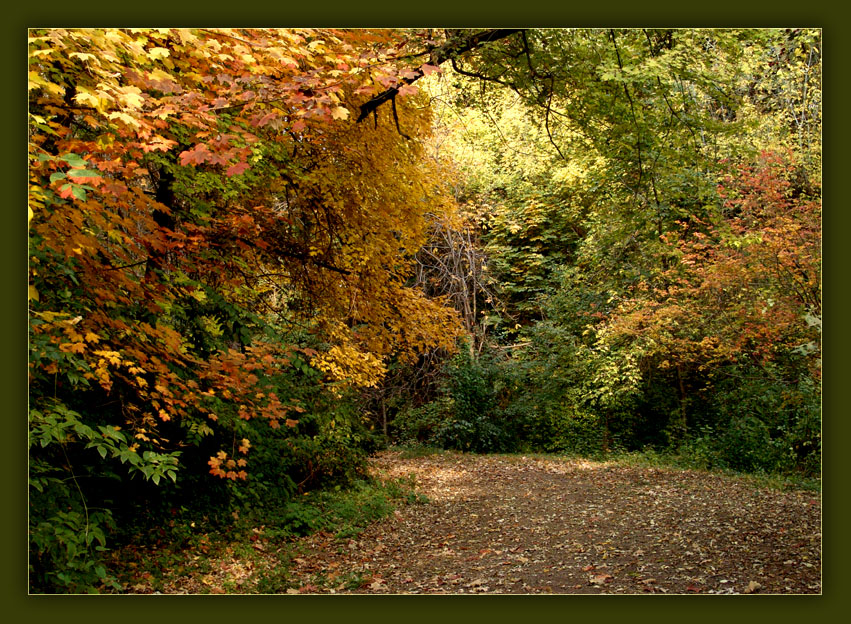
x,y
512,524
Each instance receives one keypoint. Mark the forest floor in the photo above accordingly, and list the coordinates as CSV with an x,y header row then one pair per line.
x,y
500,524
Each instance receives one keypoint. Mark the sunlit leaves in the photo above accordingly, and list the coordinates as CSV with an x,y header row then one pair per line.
x,y
743,289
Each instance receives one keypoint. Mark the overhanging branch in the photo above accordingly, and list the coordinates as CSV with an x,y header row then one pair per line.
x,y
440,54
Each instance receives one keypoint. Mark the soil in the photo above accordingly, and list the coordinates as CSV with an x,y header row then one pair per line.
x,y
501,524
530,525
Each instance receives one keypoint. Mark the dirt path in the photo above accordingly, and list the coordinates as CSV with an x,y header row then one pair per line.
x,y
498,524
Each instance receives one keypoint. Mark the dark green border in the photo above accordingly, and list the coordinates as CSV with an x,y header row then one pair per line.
x,y
434,13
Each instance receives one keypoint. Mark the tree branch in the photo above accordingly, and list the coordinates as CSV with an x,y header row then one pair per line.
x,y
441,54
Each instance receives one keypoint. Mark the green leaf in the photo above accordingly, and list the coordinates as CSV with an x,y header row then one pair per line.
x,y
82,173
74,160
78,192
59,175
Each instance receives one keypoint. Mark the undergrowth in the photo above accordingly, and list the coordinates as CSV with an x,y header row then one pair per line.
x,y
686,461
191,548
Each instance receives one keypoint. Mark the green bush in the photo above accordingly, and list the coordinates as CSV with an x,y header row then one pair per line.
x,y
476,395
419,425
765,423
66,552
73,462
575,432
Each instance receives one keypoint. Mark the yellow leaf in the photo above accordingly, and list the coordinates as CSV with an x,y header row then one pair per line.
x,y
340,113
131,96
33,293
157,53
36,81
84,56
72,347
87,98
127,119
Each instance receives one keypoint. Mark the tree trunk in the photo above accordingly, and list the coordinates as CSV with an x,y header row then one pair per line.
x,y
383,417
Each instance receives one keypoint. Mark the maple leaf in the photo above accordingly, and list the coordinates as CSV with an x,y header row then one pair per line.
x,y
237,169
158,53
340,112
408,90
76,347
125,118
158,144
196,156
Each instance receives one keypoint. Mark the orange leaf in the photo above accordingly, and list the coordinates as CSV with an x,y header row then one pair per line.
x,y
237,169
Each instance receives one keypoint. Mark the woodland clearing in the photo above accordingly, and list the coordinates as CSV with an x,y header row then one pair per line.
x,y
514,524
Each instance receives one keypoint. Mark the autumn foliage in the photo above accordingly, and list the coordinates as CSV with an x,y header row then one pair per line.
x,y
247,255
739,289
205,217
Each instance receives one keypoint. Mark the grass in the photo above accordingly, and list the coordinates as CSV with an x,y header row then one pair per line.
x,y
264,546
654,459
417,450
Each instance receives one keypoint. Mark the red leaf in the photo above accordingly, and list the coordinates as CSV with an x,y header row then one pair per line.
x,y
196,156
237,169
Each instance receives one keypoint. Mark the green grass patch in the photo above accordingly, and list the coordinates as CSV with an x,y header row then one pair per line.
x,y
343,511
654,459
417,450
189,548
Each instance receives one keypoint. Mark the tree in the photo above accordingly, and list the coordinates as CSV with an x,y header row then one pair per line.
x,y
206,218
620,243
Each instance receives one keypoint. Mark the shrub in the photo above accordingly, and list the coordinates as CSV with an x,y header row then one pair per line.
x,y
575,432
476,394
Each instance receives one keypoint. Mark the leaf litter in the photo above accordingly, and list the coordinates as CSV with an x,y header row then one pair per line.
x,y
497,524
